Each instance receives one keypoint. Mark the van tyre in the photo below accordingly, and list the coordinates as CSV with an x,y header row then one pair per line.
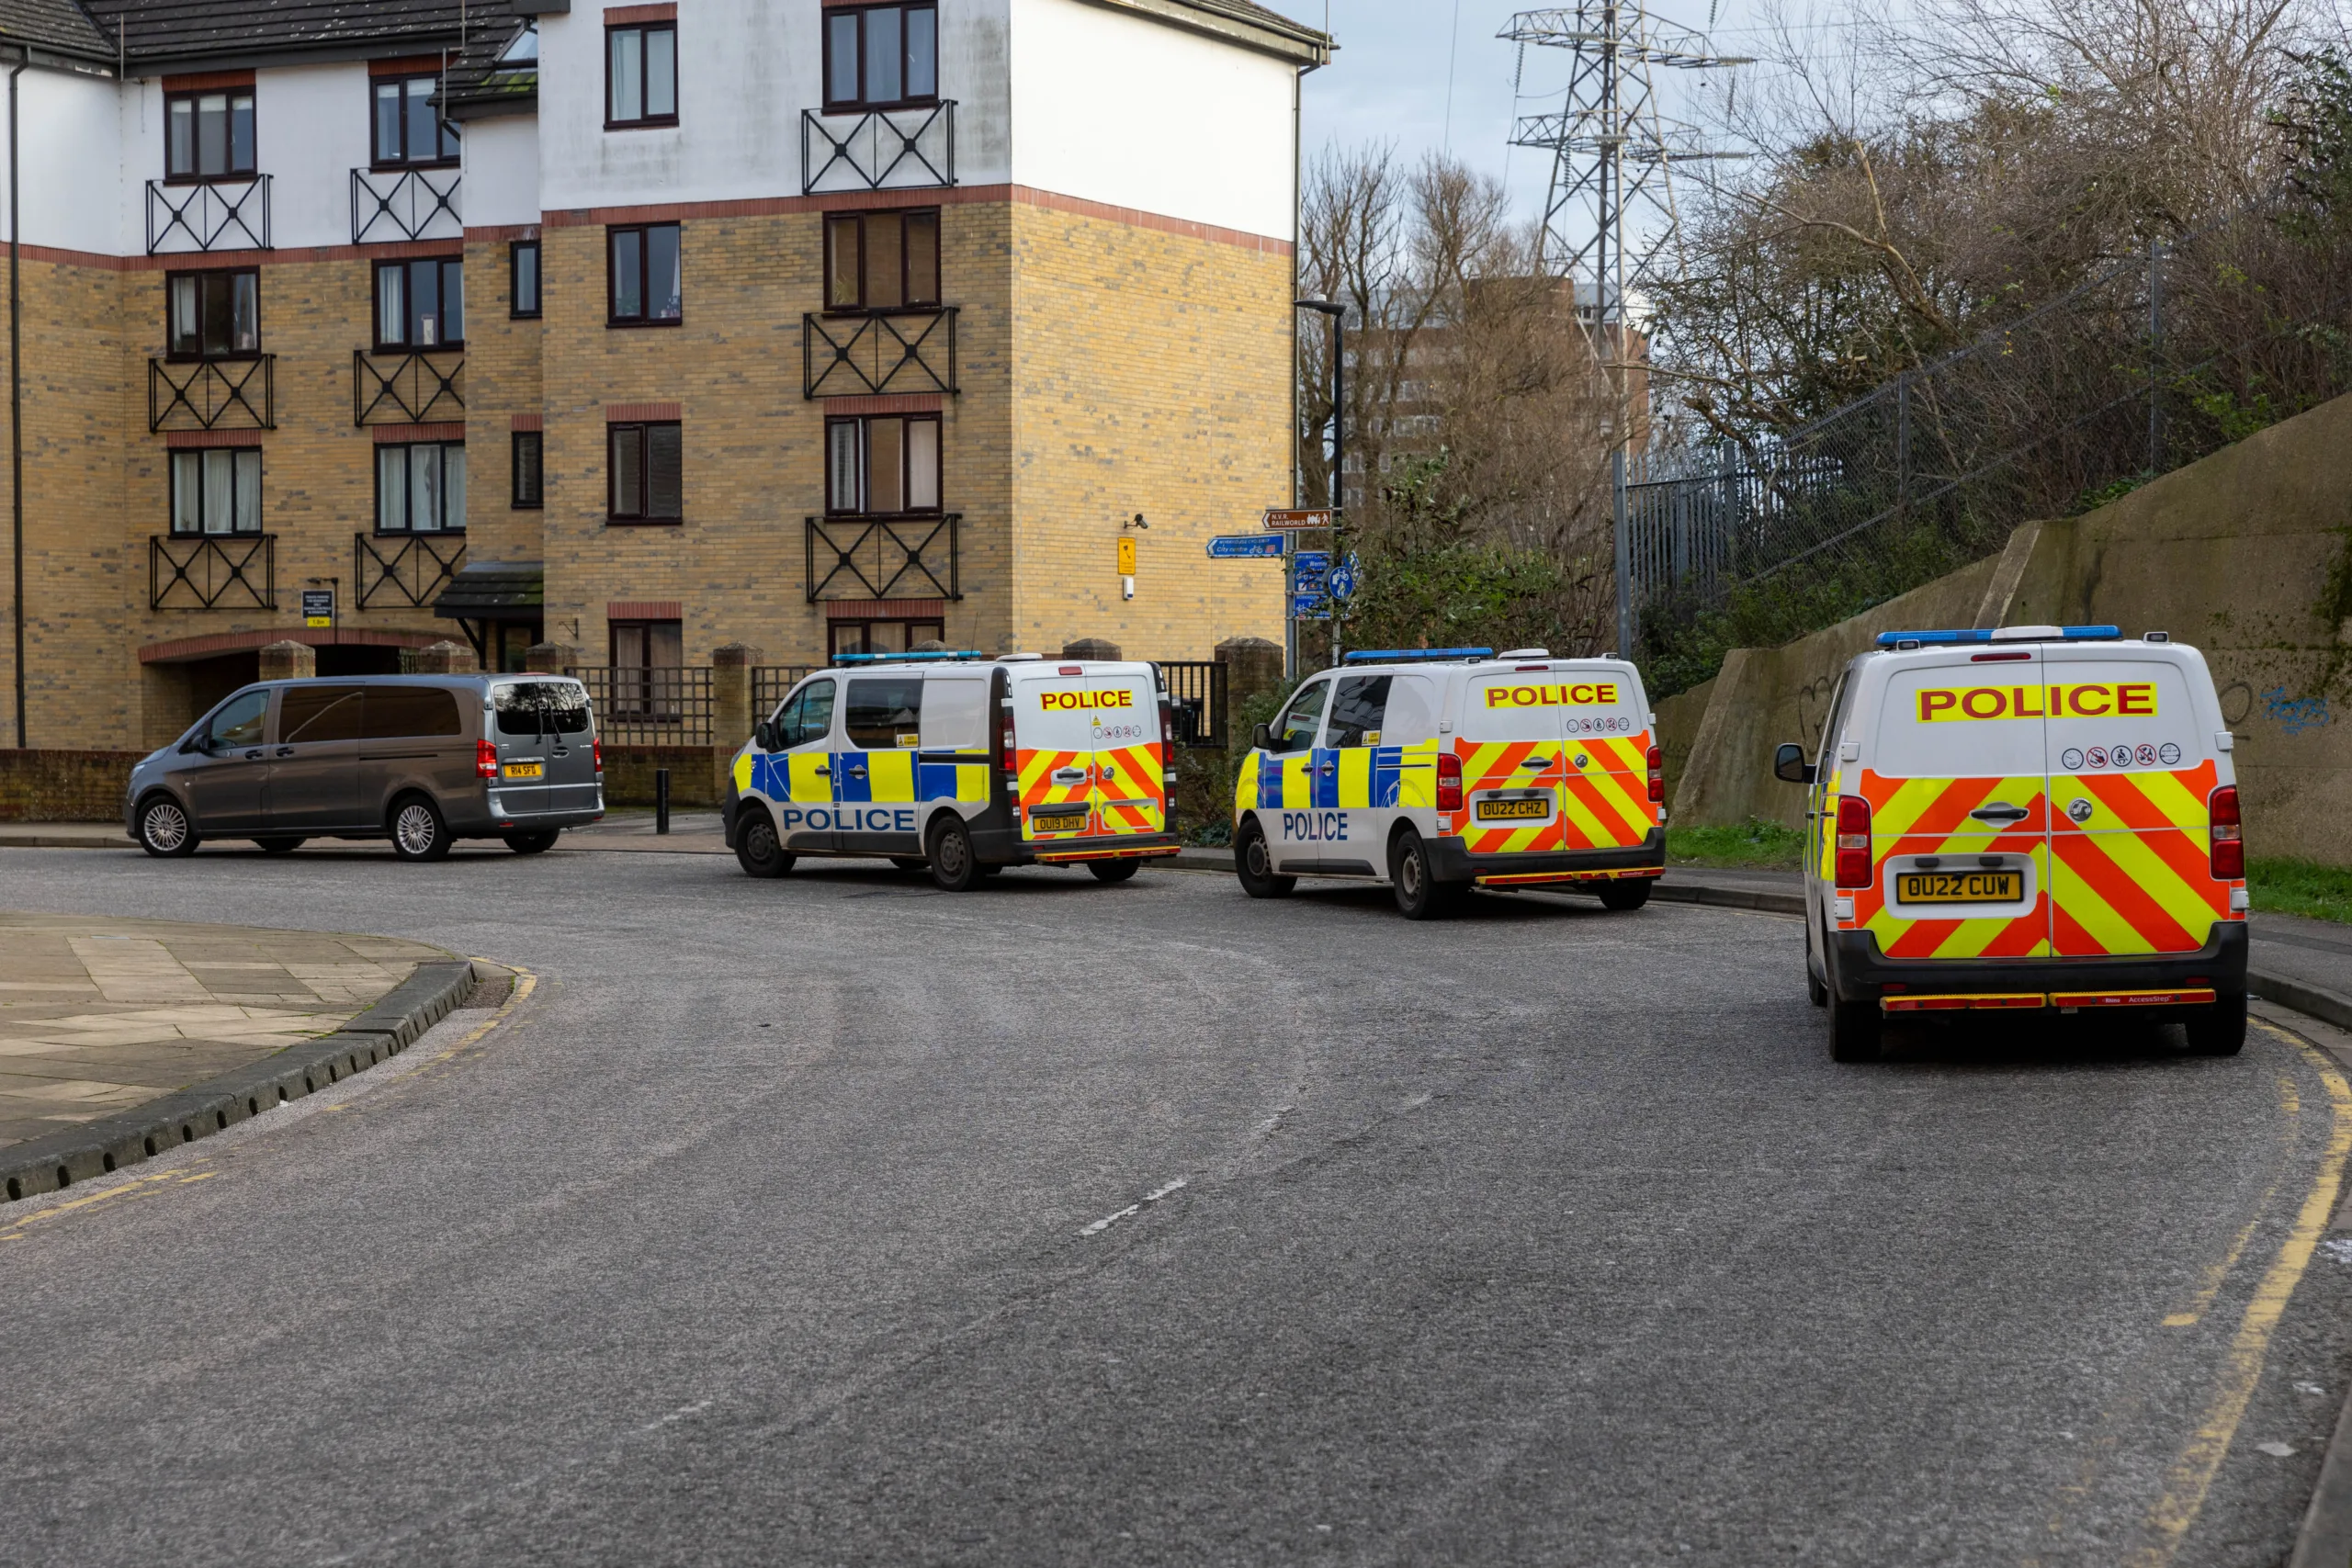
x,y
909,862
1856,1031
954,866
1113,869
2217,1030
165,829
1624,896
418,831
1253,863
757,849
537,842
1420,895
281,846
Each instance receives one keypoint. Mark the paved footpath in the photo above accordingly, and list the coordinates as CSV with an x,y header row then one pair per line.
x,y
97,1015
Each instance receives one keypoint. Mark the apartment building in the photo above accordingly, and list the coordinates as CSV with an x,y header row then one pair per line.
x,y
636,330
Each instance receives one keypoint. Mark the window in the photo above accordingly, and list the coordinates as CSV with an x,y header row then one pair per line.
x,y
643,281
881,57
239,720
648,484
885,713
807,715
882,465
421,304
404,713
532,709
641,75
881,636
1357,709
530,451
1296,731
214,315
523,293
311,714
421,489
881,261
216,490
208,136
647,656
409,129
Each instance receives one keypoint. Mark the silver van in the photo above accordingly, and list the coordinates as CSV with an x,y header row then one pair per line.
x,y
421,760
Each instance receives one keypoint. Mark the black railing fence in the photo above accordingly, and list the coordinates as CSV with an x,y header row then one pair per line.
x,y
218,215
414,204
771,683
883,150
213,394
913,351
1196,701
636,705
404,569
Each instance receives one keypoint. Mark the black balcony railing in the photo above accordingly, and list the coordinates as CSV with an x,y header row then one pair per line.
x,y
205,572
849,355
415,204
423,387
233,215
1196,701
404,568
878,557
884,150
212,394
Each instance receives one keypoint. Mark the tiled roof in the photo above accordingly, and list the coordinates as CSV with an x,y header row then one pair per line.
x,y
161,31
1245,11
58,24
498,73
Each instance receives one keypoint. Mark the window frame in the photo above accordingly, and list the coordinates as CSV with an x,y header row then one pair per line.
x,y
537,441
642,429
171,493
446,528
865,422
514,311
377,162
170,354
861,104
196,176
644,122
613,318
863,626
376,305
908,305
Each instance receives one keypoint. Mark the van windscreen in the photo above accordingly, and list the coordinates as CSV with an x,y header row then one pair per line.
x,y
541,707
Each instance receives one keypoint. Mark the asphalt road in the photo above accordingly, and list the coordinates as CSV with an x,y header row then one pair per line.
x,y
770,1230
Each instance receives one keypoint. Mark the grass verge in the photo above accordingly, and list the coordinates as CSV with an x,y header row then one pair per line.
x,y
2303,888
1753,845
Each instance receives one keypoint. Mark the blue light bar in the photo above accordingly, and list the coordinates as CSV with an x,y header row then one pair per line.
x,y
935,656
1945,640
1401,655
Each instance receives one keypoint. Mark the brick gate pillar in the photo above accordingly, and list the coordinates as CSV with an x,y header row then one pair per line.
x,y
731,718
1252,665
549,658
289,661
446,658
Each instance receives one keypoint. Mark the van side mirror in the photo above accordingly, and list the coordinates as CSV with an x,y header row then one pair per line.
x,y
1263,738
765,734
1789,766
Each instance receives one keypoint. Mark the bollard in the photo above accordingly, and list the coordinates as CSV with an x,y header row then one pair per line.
x,y
660,800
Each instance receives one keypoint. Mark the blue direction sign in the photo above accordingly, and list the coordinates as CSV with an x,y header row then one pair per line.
x,y
1245,546
1308,571
1309,608
1342,583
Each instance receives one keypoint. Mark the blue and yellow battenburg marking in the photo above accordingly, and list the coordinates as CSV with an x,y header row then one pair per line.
x,y
1339,778
809,778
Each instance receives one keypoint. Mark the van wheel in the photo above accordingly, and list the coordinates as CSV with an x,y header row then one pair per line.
x,y
1420,895
757,849
1631,895
954,866
278,846
1254,864
2217,1030
165,831
1855,1031
418,831
1113,869
534,843
909,862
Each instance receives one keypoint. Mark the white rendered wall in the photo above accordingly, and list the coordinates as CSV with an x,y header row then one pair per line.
x,y
310,130
746,69
1114,108
70,179
502,167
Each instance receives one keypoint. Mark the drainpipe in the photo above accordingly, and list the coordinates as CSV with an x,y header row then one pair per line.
x,y
16,397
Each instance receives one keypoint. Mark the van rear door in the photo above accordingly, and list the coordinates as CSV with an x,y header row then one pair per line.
x,y
1958,809
1087,753
2130,782
1514,761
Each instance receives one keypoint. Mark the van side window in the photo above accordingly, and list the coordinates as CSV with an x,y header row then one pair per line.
x,y
312,714
1827,742
239,721
1296,731
1412,711
528,709
885,713
955,714
405,713
808,716
1359,708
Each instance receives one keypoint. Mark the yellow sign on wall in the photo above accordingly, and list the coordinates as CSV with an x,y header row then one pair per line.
x,y
1126,557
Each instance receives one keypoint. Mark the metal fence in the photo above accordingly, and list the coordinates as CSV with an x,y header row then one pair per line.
x,y
772,682
639,706
1196,701
2153,363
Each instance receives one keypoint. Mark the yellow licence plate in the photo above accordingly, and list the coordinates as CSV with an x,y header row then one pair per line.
x,y
1534,810
524,769
1959,886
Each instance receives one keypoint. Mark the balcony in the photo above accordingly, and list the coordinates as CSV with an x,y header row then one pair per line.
x,y
413,204
211,572
877,557
426,386
404,569
212,394
229,215
883,150
854,355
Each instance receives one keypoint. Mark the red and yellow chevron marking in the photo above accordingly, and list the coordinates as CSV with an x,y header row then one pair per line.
x,y
2136,876
1038,785
1606,805
1930,817
1500,764
1129,792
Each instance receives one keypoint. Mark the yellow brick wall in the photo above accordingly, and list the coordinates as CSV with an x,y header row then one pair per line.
x,y
501,380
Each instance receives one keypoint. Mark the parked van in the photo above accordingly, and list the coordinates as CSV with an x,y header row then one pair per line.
x,y
421,759
1439,770
2017,820
962,764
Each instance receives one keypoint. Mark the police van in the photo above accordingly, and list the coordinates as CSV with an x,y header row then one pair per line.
x,y
960,764
2024,820
1439,770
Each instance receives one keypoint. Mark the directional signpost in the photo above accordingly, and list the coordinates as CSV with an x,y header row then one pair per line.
x,y
1246,546
1299,517
1310,591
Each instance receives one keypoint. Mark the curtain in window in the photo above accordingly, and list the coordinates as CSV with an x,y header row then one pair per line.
x,y
885,462
388,122
247,519
392,303
628,74
842,263
627,477
392,490
187,492
665,465
218,489
628,283
922,465
244,312
425,488
453,488
843,493
179,139
185,335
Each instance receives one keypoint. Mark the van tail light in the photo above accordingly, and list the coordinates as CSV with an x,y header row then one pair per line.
x,y
1449,782
1007,749
486,758
1657,776
596,750
1853,841
2229,835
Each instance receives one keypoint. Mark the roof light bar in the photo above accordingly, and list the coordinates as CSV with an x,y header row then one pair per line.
x,y
2005,633
1403,654
935,656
